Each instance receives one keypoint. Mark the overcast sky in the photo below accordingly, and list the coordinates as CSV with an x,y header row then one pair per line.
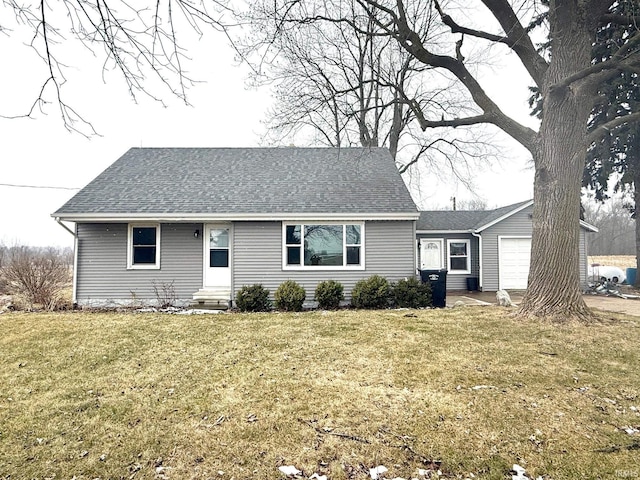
x,y
40,152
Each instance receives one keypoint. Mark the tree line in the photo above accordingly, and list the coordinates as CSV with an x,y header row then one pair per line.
x,y
36,276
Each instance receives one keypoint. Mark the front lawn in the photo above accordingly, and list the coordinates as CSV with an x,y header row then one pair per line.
x,y
468,390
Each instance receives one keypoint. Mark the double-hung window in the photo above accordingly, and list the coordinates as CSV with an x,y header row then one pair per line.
x,y
459,256
323,245
143,250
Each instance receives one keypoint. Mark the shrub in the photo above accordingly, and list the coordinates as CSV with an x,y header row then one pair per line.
x,y
372,292
290,296
165,294
411,293
35,276
329,294
254,298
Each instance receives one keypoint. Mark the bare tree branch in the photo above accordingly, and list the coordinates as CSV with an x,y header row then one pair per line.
x,y
520,40
606,128
609,68
620,19
140,42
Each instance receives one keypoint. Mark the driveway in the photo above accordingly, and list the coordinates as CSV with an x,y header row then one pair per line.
x,y
628,306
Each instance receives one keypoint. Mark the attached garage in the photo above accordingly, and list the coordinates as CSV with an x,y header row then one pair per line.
x,y
490,248
514,254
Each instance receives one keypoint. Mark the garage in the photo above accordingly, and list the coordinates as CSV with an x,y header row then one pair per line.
x,y
514,256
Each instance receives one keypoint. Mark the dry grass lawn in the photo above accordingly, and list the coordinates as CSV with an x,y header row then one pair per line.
x,y
132,396
620,261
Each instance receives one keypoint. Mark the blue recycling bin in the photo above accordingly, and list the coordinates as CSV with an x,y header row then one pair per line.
x,y
631,276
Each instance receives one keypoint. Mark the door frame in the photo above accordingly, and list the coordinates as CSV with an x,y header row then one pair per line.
x,y
205,254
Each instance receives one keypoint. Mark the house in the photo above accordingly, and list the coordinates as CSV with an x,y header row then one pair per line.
x,y
486,249
196,224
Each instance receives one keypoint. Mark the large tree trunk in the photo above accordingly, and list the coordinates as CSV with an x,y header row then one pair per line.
x,y
636,200
554,279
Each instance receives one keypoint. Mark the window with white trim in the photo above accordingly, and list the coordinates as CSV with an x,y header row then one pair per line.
x,y
323,245
459,256
143,250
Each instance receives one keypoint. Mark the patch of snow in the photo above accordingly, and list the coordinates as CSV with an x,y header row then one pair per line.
x,y
375,472
289,470
520,473
197,311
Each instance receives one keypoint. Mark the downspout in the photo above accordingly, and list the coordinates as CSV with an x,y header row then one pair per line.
x,y
416,257
65,227
74,300
479,237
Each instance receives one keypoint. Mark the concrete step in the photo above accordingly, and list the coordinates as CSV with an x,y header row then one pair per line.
x,y
209,298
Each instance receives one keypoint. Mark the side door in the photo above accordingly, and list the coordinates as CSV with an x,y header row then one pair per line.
x,y
431,253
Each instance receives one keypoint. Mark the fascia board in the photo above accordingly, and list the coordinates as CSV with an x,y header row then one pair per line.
x,y
505,216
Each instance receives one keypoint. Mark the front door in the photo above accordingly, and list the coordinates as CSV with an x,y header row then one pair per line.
x,y
217,256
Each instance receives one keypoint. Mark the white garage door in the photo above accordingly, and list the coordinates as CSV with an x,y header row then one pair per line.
x,y
515,254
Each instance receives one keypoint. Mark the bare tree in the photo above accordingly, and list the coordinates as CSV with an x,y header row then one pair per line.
x,y
344,83
38,276
616,228
567,80
141,40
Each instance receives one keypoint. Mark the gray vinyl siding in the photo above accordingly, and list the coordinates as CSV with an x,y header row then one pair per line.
x,y
102,274
456,281
257,256
517,225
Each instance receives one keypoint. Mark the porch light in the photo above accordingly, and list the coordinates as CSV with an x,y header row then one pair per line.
x,y
196,233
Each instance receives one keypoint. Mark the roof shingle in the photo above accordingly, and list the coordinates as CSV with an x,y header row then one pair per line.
x,y
463,220
212,181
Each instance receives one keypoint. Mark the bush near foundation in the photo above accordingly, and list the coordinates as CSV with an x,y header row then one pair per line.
x,y
411,293
290,296
253,298
329,294
371,293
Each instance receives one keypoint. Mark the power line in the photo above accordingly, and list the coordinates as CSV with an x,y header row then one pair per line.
x,y
36,186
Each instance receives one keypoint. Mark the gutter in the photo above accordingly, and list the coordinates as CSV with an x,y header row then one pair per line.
x,y
210,218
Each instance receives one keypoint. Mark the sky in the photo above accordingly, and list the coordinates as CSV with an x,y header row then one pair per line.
x,y
39,152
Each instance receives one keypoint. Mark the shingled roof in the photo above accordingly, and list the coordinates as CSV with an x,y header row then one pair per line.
x,y
244,183
465,220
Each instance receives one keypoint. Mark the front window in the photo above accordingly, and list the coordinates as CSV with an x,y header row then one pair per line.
x,y
459,256
219,247
323,245
144,246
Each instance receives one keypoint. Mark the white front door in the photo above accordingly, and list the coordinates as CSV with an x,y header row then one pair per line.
x,y
431,254
515,254
217,256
